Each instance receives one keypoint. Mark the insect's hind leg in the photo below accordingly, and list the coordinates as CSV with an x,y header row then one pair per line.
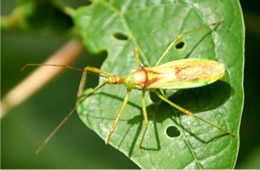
x,y
174,42
82,84
191,114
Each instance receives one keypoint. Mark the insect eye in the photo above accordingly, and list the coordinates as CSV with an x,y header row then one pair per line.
x,y
180,45
120,36
172,131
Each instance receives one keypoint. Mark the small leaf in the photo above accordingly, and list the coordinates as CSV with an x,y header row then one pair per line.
x,y
39,14
152,26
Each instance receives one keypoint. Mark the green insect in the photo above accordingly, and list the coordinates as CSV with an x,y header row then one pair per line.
x,y
179,74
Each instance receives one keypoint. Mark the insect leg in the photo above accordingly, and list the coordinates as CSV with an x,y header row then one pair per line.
x,y
66,118
98,71
191,114
137,58
174,42
145,120
82,84
118,116
84,77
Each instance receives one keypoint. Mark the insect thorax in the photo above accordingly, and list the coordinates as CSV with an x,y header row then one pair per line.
x,y
137,79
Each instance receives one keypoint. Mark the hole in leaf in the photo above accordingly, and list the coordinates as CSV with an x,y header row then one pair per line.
x,y
180,45
172,131
120,36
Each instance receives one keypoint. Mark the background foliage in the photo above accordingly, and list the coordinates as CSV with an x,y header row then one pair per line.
x,y
74,146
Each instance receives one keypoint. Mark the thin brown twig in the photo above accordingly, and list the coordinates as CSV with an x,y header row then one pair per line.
x,y
66,55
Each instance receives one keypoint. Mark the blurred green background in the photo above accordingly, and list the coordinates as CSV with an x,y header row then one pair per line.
x,y
75,146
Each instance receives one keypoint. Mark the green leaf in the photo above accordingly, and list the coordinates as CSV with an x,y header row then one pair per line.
x,y
152,26
40,14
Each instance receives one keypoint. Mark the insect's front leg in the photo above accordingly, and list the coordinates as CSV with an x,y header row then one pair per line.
x,y
174,42
82,84
137,57
84,77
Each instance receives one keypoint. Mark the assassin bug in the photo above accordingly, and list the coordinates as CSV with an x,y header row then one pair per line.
x,y
179,74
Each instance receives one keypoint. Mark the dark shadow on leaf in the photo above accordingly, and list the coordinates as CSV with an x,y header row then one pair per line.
x,y
139,120
154,116
122,140
199,41
121,99
158,144
203,98
151,111
114,97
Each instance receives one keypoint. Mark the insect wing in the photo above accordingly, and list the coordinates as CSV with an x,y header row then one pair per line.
x,y
185,73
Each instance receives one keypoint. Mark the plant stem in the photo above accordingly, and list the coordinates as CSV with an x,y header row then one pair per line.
x,y
41,76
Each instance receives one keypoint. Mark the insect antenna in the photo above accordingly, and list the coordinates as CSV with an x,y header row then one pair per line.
x,y
66,118
52,65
